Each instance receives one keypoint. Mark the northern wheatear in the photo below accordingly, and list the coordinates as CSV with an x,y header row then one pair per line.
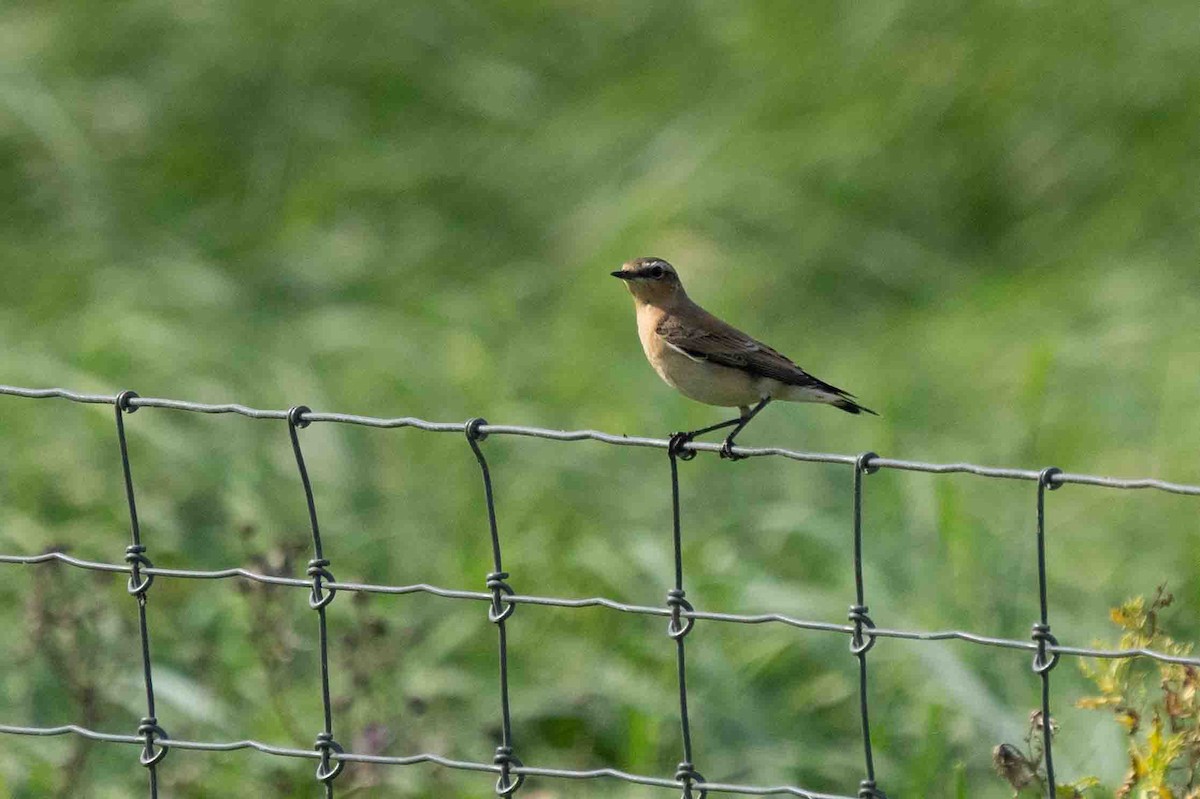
x,y
713,362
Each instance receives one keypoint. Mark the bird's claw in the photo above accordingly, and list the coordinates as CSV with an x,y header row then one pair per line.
x,y
676,446
727,452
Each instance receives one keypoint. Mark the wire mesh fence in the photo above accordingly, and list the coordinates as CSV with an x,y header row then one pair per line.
x,y
502,600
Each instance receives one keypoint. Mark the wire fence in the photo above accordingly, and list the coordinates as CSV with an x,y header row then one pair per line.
x,y
502,601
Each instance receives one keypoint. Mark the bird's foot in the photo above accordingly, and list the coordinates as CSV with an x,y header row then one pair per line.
x,y
727,452
676,446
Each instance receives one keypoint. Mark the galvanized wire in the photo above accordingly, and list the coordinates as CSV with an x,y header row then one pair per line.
x,y
502,600
135,556
319,599
1043,665
611,604
862,640
498,614
1029,475
678,627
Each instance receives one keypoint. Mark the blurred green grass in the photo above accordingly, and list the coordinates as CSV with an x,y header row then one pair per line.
x,y
980,219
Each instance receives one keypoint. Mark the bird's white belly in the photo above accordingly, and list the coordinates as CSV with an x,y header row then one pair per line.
x,y
707,382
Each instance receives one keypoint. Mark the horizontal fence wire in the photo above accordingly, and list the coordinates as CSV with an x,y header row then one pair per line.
x,y
1031,475
502,600
602,602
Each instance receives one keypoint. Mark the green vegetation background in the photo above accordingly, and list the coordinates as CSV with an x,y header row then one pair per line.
x,y
981,219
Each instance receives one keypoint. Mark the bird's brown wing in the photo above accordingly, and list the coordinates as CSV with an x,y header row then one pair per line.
x,y
720,343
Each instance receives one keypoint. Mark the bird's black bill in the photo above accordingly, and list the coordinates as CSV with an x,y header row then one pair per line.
x,y
623,274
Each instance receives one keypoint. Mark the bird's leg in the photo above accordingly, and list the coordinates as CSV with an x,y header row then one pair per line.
x,y
727,446
679,439
713,427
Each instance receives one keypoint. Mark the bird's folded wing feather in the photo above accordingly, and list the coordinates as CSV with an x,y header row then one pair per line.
x,y
720,343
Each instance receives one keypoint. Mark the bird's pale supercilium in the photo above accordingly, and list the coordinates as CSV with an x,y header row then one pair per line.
x,y
711,361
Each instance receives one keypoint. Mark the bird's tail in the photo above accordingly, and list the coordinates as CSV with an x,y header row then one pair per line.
x,y
850,406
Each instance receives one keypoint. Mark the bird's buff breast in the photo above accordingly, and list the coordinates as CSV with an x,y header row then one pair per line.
x,y
702,381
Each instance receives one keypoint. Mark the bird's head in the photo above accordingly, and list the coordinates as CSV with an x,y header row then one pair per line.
x,y
650,280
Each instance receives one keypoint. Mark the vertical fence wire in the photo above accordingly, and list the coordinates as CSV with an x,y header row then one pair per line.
x,y
319,598
137,586
863,639
1043,665
498,613
678,627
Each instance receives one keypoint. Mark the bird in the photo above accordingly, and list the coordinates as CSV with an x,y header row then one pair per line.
x,y
711,361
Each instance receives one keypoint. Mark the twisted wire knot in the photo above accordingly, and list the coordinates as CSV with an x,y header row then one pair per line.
x,y
320,596
686,773
1046,478
149,730
867,790
295,416
328,768
679,626
676,446
125,401
863,463
860,644
1043,636
497,585
506,760
136,558
473,431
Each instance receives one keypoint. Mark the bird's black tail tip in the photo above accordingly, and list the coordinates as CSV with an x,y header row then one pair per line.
x,y
850,406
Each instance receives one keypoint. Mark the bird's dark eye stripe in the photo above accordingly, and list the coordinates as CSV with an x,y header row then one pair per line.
x,y
656,271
